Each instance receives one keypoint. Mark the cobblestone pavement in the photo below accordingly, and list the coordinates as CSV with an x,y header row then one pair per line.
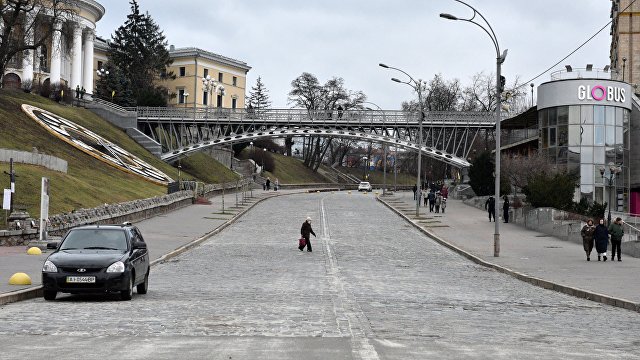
x,y
373,288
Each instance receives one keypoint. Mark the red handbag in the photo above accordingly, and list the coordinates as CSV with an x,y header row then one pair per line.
x,y
302,242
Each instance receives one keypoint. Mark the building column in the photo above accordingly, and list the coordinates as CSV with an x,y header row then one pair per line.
x,y
56,55
76,60
88,60
27,57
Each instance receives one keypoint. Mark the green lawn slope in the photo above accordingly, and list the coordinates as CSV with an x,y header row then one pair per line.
x,y
89,182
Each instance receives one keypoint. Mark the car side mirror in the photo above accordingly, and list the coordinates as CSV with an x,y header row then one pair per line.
x,y
139,245
53,245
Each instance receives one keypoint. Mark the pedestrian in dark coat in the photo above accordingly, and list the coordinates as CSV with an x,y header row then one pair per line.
x,y
268,184
505,209
306,232
432,200
490,206
601,237
415,189
617,232
587,237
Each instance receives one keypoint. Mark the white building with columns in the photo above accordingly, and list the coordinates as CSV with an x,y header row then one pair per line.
x,y
68,60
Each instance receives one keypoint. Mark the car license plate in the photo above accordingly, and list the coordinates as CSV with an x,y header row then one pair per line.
x,y
81,279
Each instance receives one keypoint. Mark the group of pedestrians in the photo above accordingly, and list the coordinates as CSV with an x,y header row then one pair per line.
x,y
600,235
490,206
435,199
267,185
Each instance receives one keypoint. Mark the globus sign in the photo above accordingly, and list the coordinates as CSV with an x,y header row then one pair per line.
x,y
601,93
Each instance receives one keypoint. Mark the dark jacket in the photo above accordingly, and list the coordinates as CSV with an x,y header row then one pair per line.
x,y
505,205
587,232
490,204
616,231
306,230
601,236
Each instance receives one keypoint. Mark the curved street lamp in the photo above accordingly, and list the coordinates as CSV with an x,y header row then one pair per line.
x,y
500,58
609,173
417,87
211,86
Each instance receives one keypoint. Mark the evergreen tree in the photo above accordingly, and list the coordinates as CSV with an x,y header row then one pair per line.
x,y
115,87
258,96
481,176
139,49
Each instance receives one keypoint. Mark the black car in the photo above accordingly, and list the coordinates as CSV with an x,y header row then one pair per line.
x,y
97,259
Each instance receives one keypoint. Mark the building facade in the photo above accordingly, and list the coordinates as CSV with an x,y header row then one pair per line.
x,y
625,41
67,59
191,65
75,57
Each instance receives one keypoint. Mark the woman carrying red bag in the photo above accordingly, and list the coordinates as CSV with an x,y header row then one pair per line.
x,y
306,232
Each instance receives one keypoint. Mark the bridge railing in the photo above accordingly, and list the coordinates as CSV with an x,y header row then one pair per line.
x,y
319,117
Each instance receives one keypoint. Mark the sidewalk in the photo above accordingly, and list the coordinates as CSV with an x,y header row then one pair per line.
x,y
528,255
164,235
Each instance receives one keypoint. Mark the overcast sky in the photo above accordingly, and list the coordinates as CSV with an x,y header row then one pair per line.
x,y
280,39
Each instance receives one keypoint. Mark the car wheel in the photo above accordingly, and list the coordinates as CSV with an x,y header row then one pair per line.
x,y
142,288
50,294
127,294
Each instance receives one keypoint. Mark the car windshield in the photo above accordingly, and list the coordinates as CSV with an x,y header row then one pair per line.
x,y
364,184
101,239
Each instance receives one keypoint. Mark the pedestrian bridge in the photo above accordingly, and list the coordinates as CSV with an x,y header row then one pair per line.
x,y
447,136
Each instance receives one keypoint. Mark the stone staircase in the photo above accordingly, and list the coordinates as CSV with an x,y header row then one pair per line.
x,y
148,143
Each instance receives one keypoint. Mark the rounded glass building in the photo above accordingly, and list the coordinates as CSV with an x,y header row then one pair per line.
x,y
584,127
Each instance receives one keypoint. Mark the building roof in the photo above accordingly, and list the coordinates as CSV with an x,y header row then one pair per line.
x,y
525,120
194,51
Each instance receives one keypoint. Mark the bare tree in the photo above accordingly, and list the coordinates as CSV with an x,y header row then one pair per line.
x,y
481,94
321,101
438,95
27,25
521,169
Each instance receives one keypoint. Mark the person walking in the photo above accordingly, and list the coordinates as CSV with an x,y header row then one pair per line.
x,y
415,190
601,237
616,231
490,206
438,202
276,185
505,209
306,232
425,195
268,184
432,200
587,237
444,204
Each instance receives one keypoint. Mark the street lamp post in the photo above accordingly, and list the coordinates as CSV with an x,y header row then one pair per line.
x,y
417,87
384,127
102,72
500,58
609,174
364,167
211,86
186,95
532,85
264,151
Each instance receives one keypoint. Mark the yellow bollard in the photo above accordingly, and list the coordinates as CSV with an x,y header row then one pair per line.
x,y
349,192
34,251
20,279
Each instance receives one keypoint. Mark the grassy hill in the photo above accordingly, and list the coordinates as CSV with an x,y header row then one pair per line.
x,y
88,182
289,170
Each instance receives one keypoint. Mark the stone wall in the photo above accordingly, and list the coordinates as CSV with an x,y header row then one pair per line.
x,y
34,158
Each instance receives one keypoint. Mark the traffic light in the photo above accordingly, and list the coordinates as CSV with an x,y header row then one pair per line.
x,y
503,80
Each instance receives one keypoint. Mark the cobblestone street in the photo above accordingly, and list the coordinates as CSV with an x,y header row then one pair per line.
x,y
374,287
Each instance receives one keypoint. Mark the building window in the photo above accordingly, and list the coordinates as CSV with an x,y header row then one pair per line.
x,y
235,81
205,98
234,103
183,71
181,98
219,101
220,77
206,73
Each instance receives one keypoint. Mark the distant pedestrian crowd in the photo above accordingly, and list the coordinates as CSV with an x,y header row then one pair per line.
x,y
600,235
434,196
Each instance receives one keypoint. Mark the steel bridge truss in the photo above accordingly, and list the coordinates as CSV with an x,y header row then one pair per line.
x,y
447,136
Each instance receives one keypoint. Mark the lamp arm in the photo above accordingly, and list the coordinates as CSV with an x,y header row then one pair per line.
x,y
404,72
489,32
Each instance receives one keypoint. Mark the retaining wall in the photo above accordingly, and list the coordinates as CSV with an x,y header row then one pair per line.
x,y
554,222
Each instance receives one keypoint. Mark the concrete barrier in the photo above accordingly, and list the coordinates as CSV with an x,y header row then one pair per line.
x,y
34,158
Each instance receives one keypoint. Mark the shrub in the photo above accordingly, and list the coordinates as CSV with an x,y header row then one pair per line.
x,y
555,190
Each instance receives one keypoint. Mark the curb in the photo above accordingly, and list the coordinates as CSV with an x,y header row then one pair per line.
x,y
34,292
545,284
